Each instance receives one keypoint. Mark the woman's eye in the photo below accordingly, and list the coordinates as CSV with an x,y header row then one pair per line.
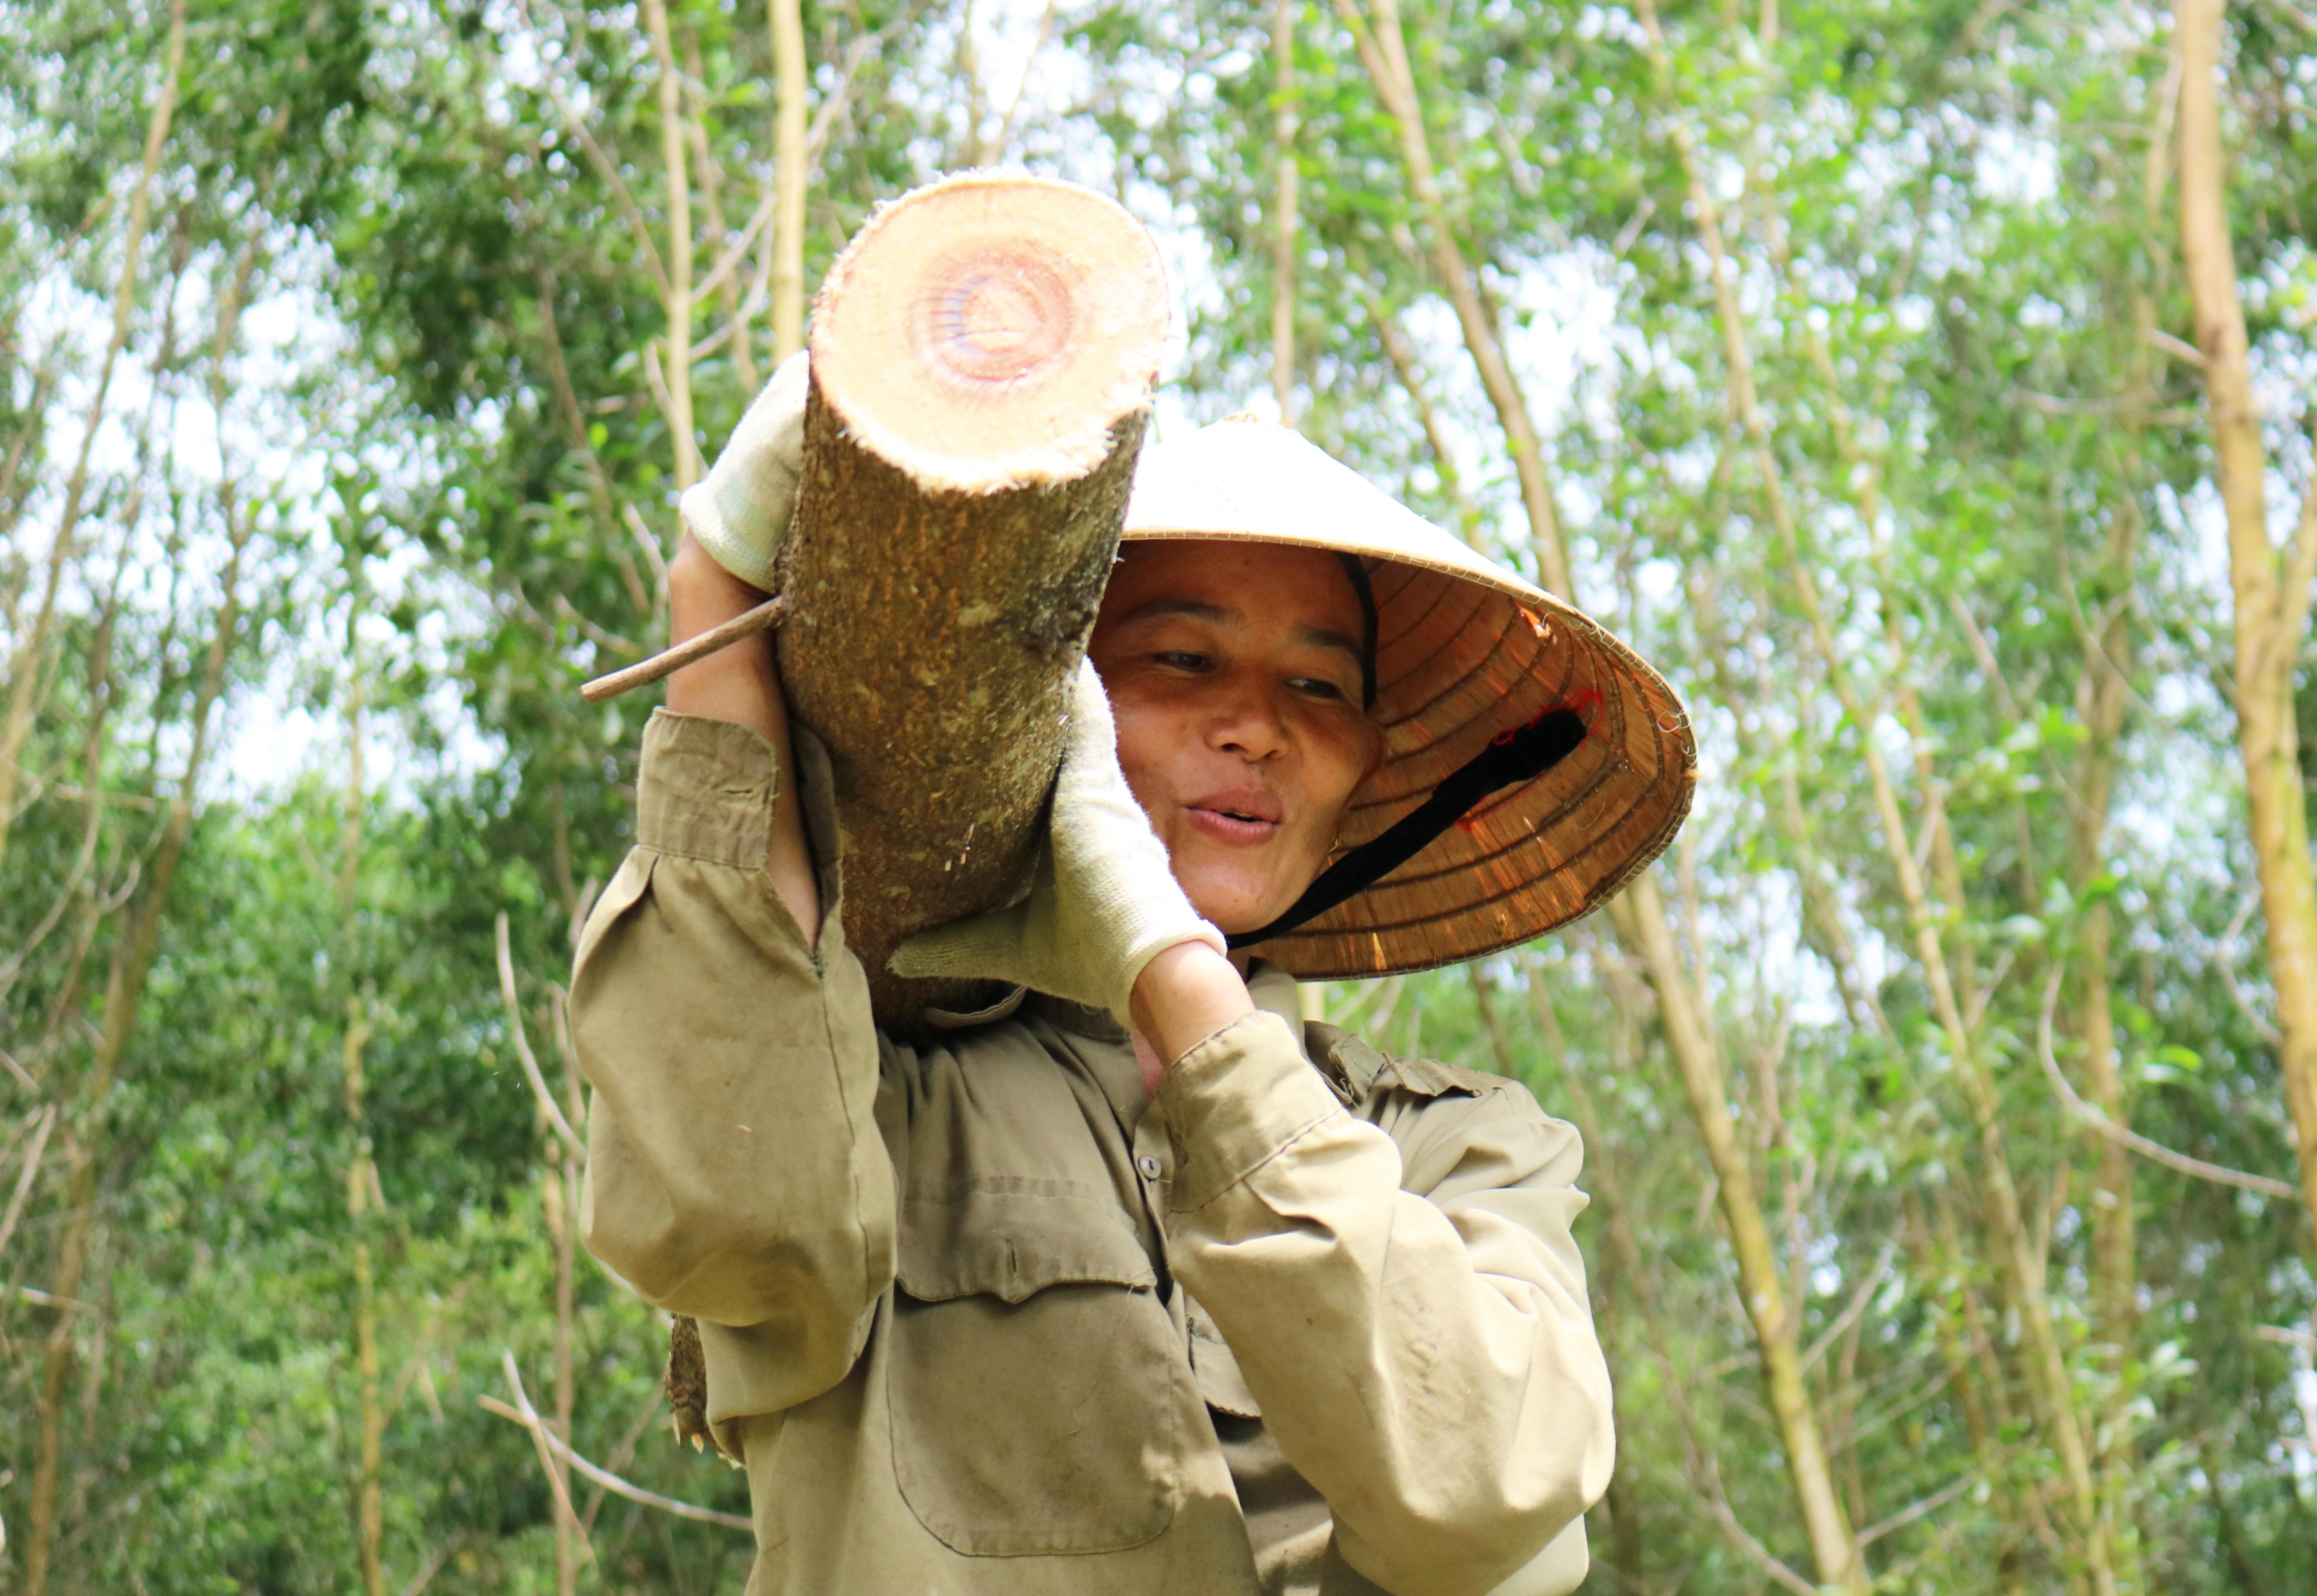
x,y
1318,687
1184,660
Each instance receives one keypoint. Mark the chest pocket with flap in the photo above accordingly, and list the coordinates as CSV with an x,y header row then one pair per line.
x,y
1030,1377
1029,1366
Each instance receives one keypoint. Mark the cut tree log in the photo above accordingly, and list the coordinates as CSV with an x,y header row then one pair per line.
x,y
982,355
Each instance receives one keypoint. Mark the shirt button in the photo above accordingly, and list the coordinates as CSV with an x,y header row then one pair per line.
x,y
1149,1164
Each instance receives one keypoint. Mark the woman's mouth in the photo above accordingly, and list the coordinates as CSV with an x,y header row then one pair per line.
x,y
1241,821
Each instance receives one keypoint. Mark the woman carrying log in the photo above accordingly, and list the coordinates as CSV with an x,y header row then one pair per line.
x,y
1134,1281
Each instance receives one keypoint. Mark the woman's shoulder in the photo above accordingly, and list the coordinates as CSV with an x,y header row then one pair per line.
x,y
1455,1126
1360,1073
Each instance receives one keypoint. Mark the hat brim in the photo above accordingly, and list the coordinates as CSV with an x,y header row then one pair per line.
x,y
1465,651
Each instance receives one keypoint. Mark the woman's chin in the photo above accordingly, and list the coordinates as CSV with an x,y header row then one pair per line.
x,y
1233,908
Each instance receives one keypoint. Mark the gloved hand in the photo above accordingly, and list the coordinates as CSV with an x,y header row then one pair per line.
x,y
1105,902
741,509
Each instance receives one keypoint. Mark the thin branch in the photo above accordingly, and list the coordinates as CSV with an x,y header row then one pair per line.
x,y
996,148
657,560
1984,653
731,257
2130,407
2299,576
1863,1428
1923,1508
1855,1306
2227,964
19,1071
31,1173
433,1564
610,174
1755,1549
544,1440
2179,349
530,1072
51,1299
624,1453
604,1477
1705,1473
600,637
2218,1174
824,121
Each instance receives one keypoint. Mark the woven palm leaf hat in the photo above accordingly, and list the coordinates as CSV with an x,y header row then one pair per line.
x,y
1467,653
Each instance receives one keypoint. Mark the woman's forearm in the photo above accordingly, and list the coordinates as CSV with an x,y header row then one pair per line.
x,y
1187,994
741,684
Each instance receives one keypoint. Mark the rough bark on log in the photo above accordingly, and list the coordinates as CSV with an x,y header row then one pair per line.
x,y
982,359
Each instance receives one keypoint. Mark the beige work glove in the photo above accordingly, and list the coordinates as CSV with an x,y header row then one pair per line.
x,y
1104,902
741,510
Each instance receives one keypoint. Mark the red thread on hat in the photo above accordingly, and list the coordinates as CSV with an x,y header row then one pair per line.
x,y
1590,699
1582,705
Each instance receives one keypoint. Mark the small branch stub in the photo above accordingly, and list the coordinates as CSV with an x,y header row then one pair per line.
x,y
666,663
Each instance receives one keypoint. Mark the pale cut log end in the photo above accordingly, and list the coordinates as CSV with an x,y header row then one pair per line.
x,y
987,332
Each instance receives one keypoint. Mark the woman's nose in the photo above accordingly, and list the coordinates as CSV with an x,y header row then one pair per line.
x,y
1246,722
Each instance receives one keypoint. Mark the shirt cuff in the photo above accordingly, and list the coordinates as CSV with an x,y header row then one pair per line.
x,y
705,791
1234,1103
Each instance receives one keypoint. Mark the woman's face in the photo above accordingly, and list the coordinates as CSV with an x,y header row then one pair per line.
x,y
1234,674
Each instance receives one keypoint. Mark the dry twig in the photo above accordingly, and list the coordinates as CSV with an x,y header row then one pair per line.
x,y
546,1440
604,1477
2219,1174
530,1070
1928,1505
48,1120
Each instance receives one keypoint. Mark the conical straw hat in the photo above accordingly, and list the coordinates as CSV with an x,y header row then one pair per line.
x,y
1465,651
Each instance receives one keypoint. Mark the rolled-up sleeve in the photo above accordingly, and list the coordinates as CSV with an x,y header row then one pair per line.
x,y
1425,1357
735,1171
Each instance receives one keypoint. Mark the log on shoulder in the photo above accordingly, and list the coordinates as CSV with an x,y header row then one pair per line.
x,y
982,359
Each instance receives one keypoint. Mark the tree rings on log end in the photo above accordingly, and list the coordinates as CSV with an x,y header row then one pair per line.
x,y
984,333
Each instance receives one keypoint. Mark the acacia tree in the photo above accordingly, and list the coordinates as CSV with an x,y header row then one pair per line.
x,y
1829,407
2272,587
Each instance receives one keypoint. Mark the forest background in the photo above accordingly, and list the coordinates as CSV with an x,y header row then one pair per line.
x,y
1926,385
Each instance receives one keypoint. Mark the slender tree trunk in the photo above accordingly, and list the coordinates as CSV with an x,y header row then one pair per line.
x,y
557,1195
1384,52
1397,350
1285,222
2020,1265
728,291
25,667
132,962
2272,595
1703,1470
1639,918
362,1177
2102,699
788,157
1639,914
678,303
1618,1501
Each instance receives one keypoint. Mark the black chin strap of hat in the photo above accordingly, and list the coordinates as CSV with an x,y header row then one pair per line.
x,y
1513,756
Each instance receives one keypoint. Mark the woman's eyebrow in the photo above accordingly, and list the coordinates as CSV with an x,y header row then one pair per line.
x,y
1194,609
1316,636
1311,637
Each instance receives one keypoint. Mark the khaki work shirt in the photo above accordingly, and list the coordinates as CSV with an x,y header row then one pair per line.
x,y
981,1321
